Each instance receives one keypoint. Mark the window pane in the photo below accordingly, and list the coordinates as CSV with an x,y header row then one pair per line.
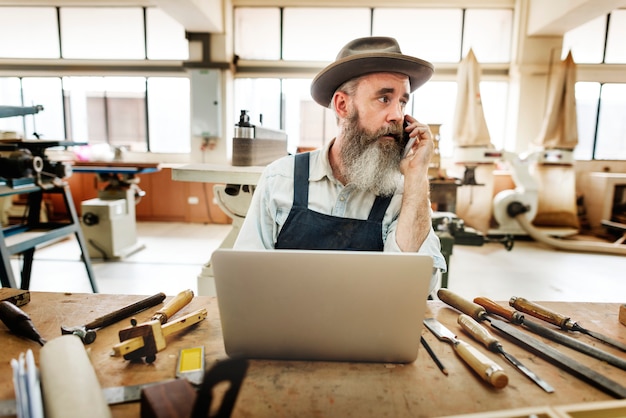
x,y
431,103
126,112
257,33
84,107
306,40
615,46
587,96
86,33
433,34
10,96
261,98
169,114
166,37
488,32
495,96
611,143
49,122
308,124
586,41
29,32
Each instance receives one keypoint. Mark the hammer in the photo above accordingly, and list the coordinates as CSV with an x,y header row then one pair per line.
x,y
87,332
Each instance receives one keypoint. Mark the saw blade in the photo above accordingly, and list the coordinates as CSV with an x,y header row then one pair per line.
x,y
122,394
8,408
113,396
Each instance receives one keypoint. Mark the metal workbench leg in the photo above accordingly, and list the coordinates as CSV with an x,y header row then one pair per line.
x,y
71,209
6,271
27,268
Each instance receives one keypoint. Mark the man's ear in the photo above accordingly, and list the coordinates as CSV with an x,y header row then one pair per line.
x,y
340,103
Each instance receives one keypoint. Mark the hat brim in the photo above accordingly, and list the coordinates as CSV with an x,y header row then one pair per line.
x,y
330,78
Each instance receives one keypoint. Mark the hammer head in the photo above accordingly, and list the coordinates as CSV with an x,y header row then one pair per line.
x,y
87,336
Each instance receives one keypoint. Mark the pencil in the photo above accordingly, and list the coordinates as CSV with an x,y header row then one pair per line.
x,y
434,356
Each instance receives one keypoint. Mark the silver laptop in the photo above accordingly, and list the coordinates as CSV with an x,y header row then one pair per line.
x,y
322,305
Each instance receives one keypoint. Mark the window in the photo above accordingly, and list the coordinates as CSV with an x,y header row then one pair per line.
x,y
17,23
611,136
144,112
600,106
434,35
305,40
86,33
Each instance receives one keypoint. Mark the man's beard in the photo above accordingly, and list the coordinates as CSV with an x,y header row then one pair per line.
x,y
371,165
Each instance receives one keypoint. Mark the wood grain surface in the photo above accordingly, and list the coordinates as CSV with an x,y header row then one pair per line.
x,y
298,388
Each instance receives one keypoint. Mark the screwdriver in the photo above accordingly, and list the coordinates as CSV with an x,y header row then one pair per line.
x,y
482,335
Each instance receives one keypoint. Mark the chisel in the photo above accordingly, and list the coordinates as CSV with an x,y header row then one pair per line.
x,y
516,317
562,321
482,335
565,363
541,349
487,369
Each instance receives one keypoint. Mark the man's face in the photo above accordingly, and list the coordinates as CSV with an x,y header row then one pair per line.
x,y
381,100
371,163
372,132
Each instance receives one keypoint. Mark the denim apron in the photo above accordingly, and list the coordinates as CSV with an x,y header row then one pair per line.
x,y
305,229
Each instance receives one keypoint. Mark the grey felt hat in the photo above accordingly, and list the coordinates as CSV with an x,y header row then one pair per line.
x,y
368,55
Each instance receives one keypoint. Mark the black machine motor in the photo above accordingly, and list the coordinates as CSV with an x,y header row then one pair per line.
x,y
25,162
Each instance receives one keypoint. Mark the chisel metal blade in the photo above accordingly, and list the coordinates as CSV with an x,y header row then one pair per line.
x,y
575,344
529,373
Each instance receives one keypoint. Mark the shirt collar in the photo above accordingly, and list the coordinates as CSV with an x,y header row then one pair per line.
x,y
320,164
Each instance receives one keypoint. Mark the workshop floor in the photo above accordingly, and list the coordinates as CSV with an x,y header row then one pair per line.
x,y
174,254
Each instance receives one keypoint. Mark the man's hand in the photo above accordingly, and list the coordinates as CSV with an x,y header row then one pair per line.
x,y
414,222
420,154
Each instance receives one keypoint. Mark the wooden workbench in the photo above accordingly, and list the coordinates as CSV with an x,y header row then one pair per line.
x,y
295,388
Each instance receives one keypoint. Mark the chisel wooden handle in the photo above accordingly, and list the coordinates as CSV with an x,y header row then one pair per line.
x,y
489,370
477,332
540,312
475,311
495,308
171,307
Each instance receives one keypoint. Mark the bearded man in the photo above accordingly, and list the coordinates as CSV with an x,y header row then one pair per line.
x,y
363,191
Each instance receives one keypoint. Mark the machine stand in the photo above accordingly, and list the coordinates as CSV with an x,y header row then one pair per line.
x,y
109,224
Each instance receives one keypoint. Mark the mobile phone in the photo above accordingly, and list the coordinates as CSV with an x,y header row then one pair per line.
x,y
406,139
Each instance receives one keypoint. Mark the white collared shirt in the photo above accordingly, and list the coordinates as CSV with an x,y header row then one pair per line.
x,y
273,198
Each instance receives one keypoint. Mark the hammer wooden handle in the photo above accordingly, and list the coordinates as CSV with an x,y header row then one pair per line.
x,y
126,311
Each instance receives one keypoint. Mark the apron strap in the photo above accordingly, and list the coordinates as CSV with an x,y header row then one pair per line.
x,y
301,180
379,208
